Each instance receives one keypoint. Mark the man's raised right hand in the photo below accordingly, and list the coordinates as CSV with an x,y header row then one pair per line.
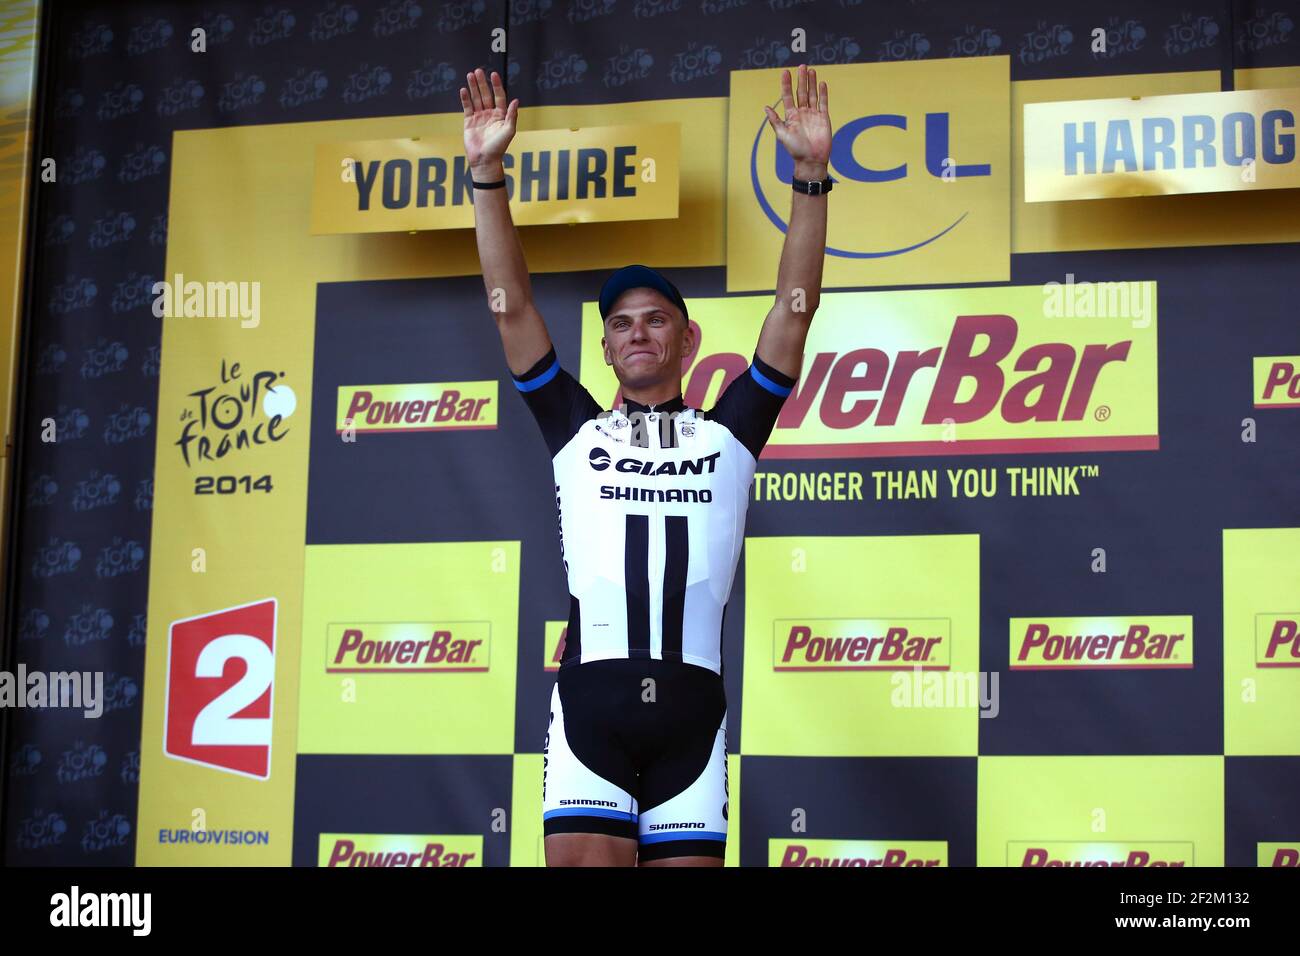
x,y
489,122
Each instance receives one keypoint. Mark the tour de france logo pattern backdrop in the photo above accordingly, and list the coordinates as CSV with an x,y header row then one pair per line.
x,y
1106,542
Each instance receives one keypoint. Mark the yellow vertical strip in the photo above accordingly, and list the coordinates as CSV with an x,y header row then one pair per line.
x,y
18,35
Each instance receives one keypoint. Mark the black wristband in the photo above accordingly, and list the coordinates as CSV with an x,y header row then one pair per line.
x,y
496,185
815,187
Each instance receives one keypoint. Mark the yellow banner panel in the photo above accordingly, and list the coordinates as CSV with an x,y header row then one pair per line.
x,y
1261,640
1146,222
436,676
1157,145
922,168
1131,811
590,174
802,587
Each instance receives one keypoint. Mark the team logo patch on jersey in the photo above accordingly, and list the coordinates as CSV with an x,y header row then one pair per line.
x,y
600,459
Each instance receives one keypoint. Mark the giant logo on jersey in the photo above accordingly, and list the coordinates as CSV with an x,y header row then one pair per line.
x,y
921,158
934,372
600,460
220,676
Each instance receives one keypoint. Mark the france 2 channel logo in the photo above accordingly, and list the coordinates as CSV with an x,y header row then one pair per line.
x,y
220,677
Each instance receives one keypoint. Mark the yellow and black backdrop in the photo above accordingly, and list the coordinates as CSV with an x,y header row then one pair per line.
x,y
1008,477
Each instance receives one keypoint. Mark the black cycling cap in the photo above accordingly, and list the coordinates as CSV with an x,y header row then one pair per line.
x,y
638,277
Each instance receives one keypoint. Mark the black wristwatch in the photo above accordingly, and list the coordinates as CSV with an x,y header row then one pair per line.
x,y
813,187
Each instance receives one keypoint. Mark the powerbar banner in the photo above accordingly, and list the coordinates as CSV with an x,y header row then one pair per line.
x,y
1051,368
1158,145
600,174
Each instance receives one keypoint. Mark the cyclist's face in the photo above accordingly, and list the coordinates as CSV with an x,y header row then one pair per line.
x,y
646,339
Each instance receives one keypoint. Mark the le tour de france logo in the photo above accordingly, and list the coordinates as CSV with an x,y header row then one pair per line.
x,y
242,409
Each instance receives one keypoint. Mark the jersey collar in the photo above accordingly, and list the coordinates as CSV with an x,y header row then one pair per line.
x,y
675,404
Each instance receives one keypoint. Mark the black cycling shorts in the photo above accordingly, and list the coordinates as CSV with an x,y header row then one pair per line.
x,y
637,758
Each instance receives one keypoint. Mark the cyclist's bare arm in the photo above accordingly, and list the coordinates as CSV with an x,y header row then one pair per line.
x,y
805,132
489,128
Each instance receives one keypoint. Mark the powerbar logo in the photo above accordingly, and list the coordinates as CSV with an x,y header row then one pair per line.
x,y
1277,640
420,407
1100,643
980,351
945,372
862,644
857,853
1101,854
408,648
1277,382
395,849
1279,854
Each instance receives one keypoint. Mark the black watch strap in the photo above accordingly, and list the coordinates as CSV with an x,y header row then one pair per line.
x,y
499,184
815,187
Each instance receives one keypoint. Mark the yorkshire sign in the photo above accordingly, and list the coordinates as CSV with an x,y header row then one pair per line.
x,y
593,174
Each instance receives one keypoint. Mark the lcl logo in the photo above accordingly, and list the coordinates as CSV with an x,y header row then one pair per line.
x,y
844,165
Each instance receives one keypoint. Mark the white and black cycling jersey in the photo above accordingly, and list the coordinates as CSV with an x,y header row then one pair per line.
x,y
651,504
